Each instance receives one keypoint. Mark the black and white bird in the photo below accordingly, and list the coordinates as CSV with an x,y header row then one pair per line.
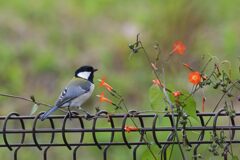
x,y
77,91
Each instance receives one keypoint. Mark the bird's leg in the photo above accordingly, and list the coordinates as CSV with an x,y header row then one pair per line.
x,y
69,112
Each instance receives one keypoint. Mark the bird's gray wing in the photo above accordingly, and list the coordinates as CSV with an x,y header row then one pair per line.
x,y
72,91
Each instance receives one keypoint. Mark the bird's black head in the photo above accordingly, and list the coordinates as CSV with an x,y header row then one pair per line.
x,y
85,72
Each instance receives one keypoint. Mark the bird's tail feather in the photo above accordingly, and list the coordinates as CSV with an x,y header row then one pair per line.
x,y
46,114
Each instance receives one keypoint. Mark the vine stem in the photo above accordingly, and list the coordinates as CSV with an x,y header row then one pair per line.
x,y
164,89
146,141
154,71
216,106
28,100
197,87
121,101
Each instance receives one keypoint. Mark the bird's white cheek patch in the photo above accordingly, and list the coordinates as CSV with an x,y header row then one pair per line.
x,y
84,75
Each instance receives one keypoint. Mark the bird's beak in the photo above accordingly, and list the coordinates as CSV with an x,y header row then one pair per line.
x,y
95,70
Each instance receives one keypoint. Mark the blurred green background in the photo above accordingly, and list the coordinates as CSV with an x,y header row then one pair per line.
x,y
43,42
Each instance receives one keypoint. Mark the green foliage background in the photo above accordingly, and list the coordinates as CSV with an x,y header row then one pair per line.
x,y
43,42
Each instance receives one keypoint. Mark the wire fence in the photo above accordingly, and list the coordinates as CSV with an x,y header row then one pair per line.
x,y
117,125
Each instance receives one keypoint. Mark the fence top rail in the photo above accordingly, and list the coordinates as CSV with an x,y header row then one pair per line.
x,y
134,114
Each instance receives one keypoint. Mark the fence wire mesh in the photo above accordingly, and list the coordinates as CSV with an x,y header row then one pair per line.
x,y
147,124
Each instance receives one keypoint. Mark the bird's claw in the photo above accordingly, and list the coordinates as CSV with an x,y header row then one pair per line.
x,y
88,116
72,114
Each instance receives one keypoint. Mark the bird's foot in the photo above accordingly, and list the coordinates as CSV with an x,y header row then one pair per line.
x,y
88,116
71,114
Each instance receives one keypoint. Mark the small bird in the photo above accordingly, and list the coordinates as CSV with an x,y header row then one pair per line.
x,y
78,90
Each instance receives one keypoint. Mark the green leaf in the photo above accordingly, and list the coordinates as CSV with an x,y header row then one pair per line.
x,y
158,103
190,107
34,109
235,157
156,98
190,104
173,152
147,155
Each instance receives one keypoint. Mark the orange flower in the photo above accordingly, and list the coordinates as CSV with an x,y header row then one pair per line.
x,y
157,82
104,84
179,47
130,128
194,77
104,99
177,93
